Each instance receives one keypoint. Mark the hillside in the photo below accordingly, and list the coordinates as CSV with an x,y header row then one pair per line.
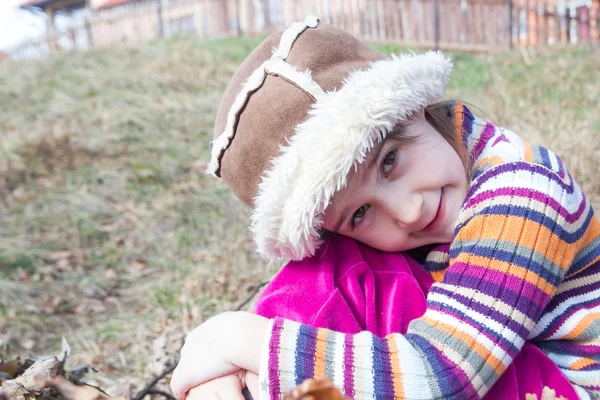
x,y
112,236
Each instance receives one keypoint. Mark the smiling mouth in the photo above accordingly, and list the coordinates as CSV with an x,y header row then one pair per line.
x,y
439,215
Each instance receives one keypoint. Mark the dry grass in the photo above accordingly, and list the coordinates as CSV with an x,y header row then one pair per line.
x,y
111,235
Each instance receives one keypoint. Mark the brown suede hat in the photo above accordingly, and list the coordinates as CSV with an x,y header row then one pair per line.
x,y
305,106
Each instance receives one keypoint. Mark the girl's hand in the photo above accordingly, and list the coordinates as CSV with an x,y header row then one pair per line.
x,y
221,346
226,387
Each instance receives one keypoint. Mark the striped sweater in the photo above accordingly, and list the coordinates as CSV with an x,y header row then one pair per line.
x,y
524,265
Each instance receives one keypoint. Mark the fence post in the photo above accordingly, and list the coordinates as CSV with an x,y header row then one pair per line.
x,y
557,23
159,11
595,15
88,31
510,24
588,24
267,13
597,8
238,17
436,26
568,18
206,18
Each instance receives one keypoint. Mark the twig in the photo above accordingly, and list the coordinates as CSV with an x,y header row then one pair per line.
x,y
161,393
80,383
256,290
148,389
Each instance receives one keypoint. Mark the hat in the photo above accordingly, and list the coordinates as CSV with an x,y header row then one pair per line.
x,y
306,106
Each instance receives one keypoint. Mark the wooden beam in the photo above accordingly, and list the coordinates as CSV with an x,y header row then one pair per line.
x,y
66,4
50,20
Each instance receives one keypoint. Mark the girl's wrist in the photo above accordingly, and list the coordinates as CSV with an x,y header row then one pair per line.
x,y
247,332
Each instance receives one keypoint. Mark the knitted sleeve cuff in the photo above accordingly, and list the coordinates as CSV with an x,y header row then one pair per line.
x,y
263,370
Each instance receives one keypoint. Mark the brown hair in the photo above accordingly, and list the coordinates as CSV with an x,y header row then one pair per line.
x,y
439,116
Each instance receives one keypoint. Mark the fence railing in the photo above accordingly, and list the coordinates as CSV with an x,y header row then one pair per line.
x,y
478,25
541,23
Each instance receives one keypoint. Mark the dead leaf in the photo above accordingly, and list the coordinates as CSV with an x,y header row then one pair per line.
x,y
90,306
65,351
110,273
59,255
64,265
547,394
21,275
322,389
27,344
191,285
71,391
32,380
139,265
12,367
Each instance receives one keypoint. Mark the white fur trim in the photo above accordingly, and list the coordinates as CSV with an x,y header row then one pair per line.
x,y
255,81
342,127
290,35
304,80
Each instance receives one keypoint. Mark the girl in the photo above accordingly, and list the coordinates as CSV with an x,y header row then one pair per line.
x,y
320,133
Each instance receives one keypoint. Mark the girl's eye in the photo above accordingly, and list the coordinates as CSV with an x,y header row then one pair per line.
x,y
358,215
388,162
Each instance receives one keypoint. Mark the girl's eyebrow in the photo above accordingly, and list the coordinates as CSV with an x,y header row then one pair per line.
x,y
375,151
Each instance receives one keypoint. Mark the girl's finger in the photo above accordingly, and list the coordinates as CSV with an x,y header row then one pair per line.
x,y
180,382
225,388
252,384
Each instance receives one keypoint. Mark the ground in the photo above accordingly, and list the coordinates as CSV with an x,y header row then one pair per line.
x,y
112,236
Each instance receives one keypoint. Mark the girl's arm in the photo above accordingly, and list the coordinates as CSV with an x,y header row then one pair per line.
x,y
520,231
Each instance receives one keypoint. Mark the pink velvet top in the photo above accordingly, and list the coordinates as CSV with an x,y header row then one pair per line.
x,y
350,287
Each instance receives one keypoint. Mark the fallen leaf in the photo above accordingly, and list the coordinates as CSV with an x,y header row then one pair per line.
x,y
110,273
27,344
547,394
65,351
21,275
139,265
12,367
322,389
32,380
59,255
191,285
64,265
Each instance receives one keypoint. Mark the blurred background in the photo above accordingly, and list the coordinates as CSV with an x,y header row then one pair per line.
x,y
110,233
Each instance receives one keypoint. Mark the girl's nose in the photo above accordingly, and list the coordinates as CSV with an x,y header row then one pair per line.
x,y
406,209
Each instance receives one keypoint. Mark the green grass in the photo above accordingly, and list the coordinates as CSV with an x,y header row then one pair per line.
x,y
110,233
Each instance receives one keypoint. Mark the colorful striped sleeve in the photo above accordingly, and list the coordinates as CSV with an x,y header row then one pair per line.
x,y
519,231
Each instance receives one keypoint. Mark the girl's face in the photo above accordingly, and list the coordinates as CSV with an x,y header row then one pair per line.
x,y
404,196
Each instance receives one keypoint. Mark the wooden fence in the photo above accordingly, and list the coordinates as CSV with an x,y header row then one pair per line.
x,y
476,25
541,23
